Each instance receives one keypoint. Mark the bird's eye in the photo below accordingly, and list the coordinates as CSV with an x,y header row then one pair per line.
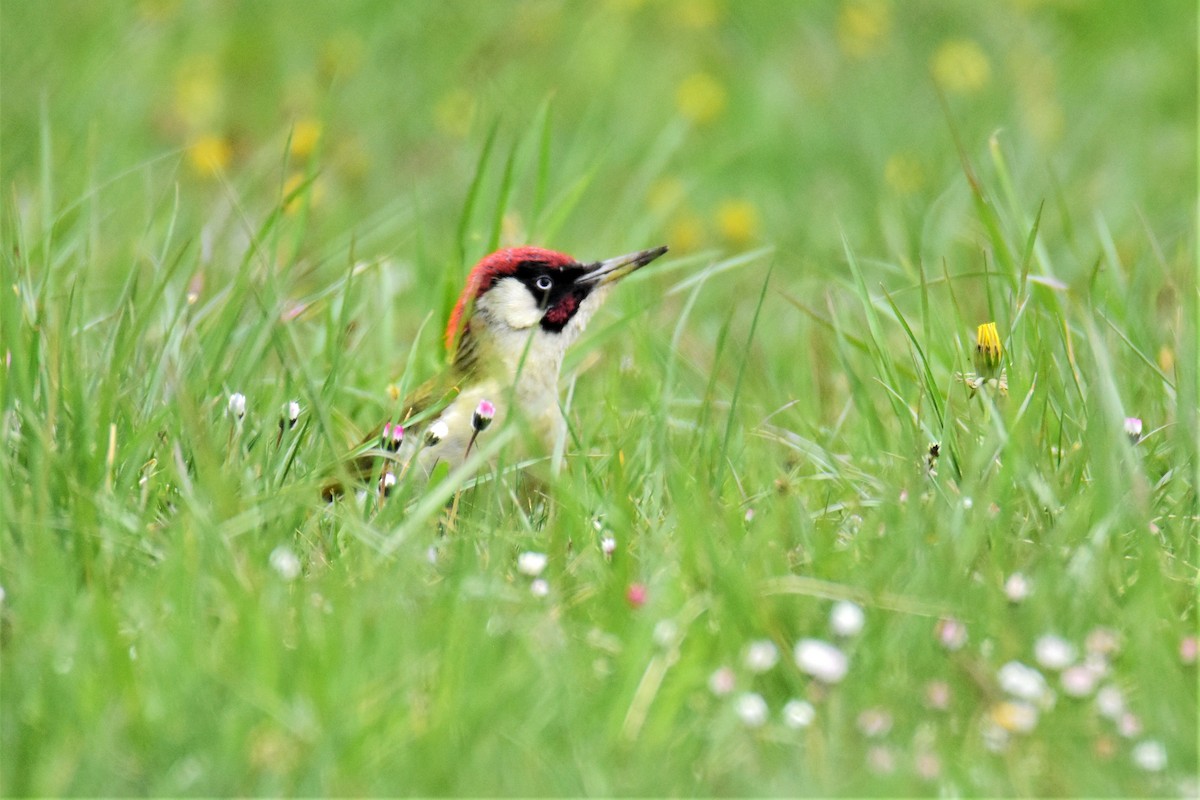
x,y
543,283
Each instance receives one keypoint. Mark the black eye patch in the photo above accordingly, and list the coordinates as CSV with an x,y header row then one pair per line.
x,y
555,290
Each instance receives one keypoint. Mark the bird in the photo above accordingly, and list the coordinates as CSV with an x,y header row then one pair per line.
x,y
519,311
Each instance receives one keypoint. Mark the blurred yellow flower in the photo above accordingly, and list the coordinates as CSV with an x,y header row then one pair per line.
x,y
198,99
293,200
903,173
209,155
665,195
737,220
453,114
700,98
696,14
862,26
305,135
1166,359
959,65
686,234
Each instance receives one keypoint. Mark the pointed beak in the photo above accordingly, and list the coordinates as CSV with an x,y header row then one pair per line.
x,y
614,269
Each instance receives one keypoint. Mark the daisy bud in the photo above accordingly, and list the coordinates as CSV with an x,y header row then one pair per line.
x,y
437,431
237,404
988,351
484,413
392,437
291,413
386,482
1133,429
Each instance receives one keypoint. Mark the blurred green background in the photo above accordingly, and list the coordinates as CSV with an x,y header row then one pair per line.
x,y
705,123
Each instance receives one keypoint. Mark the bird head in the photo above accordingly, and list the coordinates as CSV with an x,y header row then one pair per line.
x,y
532,291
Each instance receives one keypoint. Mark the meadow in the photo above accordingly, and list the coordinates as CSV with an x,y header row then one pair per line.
x,y
820,531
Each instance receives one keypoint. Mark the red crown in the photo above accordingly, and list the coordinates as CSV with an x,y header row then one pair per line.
x,y
491,268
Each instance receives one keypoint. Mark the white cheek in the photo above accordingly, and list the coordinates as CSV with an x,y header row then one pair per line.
x,y
511,303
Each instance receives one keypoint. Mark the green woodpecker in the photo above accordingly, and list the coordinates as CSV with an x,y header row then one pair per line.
x,y
520,310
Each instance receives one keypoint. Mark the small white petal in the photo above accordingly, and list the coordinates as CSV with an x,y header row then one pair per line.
x,y
285,562
1150,755
821,660
531,563
1078,681
1110,702
237,404
438,431
608,545
751,709
798,714
539,588
1022,682
761,655
722,681
846,619
1054,652
1017,587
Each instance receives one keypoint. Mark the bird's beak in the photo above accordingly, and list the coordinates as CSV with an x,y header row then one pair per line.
x,y
614,269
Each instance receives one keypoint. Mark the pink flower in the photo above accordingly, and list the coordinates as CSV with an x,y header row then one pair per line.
x,y
484,413
635,595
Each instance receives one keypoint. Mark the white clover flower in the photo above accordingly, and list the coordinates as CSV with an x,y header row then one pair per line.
x,y
1054,652
1150,755
531,563
1017,587
608,545
751,709
821,660
722,681
539,588
1022,682
237,405
285,562
846,619
761,655
798,714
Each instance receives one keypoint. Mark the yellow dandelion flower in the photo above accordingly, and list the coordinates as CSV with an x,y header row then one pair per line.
x,y
863,26
686,234
700,98
209,155
305,135
988,351
453,114
960,65
903,174
737,220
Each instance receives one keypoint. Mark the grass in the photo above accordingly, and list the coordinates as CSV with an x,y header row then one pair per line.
x,y
204,199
